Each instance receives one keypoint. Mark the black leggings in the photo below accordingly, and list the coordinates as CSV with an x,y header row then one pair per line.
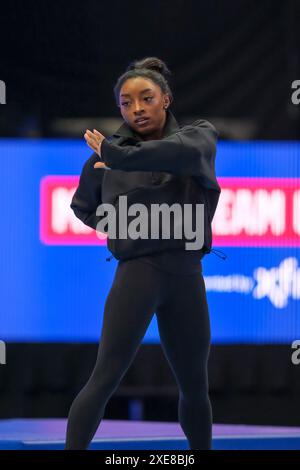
x,y
138,291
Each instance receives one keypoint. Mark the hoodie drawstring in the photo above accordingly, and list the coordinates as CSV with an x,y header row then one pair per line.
x,y
212,250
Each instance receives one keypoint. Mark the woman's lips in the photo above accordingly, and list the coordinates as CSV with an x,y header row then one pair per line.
x,y
142,122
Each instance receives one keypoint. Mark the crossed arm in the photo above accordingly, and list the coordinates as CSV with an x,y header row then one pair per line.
x,y
87,196
190,151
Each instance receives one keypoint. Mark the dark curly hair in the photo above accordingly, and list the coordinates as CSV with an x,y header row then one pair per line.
x,y
149,67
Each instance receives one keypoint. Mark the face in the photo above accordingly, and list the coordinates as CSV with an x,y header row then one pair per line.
x,y
142,98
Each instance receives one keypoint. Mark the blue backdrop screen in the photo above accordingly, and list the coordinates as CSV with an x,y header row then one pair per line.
x,y
54,276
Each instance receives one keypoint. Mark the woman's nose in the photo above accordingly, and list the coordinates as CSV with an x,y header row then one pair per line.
x,y
137,108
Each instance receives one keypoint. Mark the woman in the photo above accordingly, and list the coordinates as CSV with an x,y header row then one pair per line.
x,y
150,159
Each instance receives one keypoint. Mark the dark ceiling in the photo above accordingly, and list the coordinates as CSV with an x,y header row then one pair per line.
x,y
229,58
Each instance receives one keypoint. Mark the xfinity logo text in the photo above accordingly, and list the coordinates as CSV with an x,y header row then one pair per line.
x,y
279,284
2,92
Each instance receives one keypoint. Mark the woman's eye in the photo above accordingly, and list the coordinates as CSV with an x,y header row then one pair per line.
x,y
146,98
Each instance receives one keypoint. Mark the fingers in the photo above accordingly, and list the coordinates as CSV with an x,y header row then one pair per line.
x,y
101,165
92,136
92,145
92,141
98,133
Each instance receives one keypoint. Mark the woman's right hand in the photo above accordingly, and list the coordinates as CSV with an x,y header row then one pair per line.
x,y
94,140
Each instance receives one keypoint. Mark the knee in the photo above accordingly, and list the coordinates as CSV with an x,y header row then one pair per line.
x,y
104,383
196,389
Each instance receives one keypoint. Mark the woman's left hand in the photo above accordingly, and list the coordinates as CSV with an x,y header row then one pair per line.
x,y
94,140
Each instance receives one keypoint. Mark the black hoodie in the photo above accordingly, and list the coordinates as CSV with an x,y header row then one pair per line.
x,y
179,168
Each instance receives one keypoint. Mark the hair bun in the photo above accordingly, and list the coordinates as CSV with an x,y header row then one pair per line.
x,y
152,63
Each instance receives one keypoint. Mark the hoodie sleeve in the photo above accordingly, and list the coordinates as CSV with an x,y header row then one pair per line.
x,y
189,151
87,196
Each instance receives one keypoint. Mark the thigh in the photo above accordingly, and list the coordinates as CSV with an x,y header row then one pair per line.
x,y
184,328
129,308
